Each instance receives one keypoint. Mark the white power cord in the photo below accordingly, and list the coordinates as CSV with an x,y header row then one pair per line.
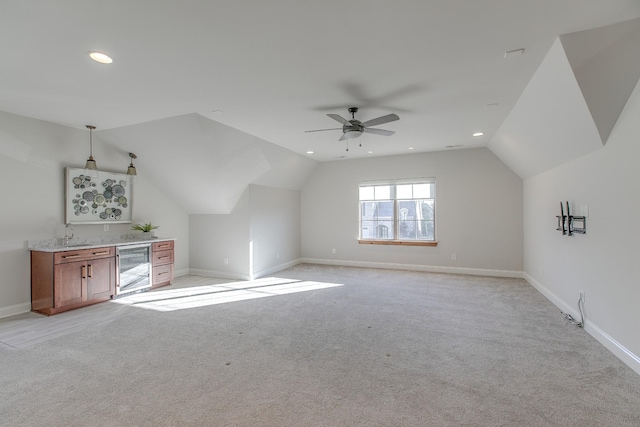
x,y
580,309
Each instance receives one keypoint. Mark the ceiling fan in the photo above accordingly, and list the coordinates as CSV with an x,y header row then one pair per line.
x,y
354,128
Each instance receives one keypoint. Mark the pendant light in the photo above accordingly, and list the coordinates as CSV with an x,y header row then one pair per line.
x,y
91,168
131,170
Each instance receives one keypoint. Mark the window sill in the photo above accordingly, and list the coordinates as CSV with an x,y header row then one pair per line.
x,y
397,242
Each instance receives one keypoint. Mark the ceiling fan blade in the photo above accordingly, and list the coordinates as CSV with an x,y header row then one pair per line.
x,y
379,131
343,137
381,120
338,118
321,130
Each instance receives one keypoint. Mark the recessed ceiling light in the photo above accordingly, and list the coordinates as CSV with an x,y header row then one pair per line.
x,y
100,57
492,105
370,152
478,134
310,152
410,148
454,146
217,112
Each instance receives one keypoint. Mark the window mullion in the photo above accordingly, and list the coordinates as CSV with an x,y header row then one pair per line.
x,y
396,228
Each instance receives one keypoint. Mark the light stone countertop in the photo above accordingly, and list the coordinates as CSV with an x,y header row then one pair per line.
x,y
57,245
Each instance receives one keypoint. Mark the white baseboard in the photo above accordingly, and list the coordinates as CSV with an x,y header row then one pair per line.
x,y
220,274
417,267
12,310
181,272
365,264
563,306
620,351
276,268
239,276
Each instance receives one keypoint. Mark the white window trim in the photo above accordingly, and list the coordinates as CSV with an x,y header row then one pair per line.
x,y
395,182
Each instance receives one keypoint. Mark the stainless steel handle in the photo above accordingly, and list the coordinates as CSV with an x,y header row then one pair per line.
x,y
90,270
84,272
117,270
101,253
71,256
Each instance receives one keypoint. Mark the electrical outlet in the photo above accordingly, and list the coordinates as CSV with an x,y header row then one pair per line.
x,y
106,227
454,257
226,260
333,251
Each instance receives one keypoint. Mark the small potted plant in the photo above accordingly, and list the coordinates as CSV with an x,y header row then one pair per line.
x,y
147,229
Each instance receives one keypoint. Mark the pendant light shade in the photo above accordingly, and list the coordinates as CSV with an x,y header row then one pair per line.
x,y
131,170
91,167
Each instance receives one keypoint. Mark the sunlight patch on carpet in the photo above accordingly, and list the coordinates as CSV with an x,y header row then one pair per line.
x,y
201,296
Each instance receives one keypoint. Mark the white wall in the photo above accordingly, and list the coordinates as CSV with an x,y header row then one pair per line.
x,y
601,263
275,228
478,213
214,238
261,235
33,155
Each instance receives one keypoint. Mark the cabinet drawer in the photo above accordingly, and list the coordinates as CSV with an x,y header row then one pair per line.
x,y
163,246
162,274
162,257
83,254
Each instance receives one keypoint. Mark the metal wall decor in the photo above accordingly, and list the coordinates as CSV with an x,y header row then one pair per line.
x,y
570,224
96,200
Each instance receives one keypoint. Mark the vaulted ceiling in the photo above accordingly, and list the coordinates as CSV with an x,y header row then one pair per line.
x,y
273,69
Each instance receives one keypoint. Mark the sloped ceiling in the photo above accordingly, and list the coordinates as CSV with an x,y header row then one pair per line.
x,y
204,165
276,68
573,100
606,64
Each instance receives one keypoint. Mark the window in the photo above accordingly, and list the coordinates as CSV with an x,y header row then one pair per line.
x,y
401,212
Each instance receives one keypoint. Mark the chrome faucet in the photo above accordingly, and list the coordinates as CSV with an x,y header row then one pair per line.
x,y
67,237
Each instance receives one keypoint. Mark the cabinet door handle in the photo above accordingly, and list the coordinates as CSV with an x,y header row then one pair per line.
x,y
71,256
90,270
162,274
101,253
118,270
164,246
164,257
84,272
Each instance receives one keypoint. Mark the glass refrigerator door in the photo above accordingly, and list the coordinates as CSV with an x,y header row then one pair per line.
x,y
135,268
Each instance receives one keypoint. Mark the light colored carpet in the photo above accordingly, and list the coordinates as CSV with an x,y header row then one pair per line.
x,y
387,348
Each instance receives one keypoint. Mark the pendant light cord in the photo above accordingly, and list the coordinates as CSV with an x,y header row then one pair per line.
x,y
91,128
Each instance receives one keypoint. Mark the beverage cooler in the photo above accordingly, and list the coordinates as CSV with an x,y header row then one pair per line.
x,y
134,268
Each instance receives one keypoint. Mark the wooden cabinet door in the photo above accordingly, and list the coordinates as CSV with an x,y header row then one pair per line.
x,y
100,278
70,283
